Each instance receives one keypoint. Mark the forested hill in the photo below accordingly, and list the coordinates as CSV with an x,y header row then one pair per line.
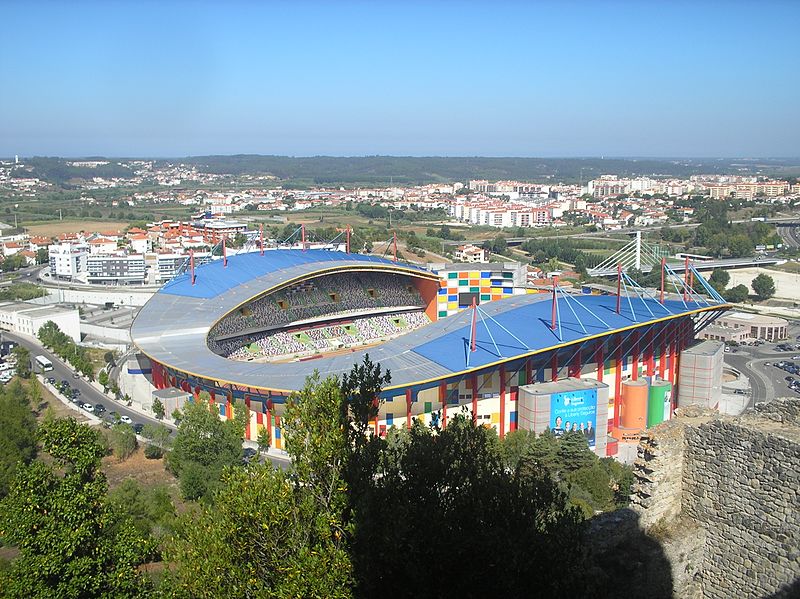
x,y
410,170
414,170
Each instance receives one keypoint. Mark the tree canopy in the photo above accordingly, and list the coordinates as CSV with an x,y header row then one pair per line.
x,y
203,447
763,286
71,542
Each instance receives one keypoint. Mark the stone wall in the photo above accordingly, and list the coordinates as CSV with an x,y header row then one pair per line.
x,y
736,480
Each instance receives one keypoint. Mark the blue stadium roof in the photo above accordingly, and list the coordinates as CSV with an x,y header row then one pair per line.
x,y
172,327
512,328
214,278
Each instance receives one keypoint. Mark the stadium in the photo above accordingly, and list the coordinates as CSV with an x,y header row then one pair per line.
x,y
250,328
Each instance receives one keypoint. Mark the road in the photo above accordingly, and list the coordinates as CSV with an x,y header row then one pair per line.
x,y
766,382
790,236
89,394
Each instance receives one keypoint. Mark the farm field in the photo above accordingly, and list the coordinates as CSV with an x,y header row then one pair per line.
x,y
54,228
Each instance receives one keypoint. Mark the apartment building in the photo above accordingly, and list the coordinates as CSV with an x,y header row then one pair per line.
x,y
111,269
68,260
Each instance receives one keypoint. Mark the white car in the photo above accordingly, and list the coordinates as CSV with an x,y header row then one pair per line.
x,y
88,407
125,419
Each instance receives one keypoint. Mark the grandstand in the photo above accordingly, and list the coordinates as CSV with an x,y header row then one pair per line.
x,y
324,299
325,338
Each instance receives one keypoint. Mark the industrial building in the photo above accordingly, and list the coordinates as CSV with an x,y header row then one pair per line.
x,y
483,357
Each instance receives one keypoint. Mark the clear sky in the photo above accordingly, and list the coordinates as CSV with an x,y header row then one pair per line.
x,y
486,78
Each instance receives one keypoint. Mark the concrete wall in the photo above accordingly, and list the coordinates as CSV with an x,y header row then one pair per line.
x,y
97,297
737,481
112,333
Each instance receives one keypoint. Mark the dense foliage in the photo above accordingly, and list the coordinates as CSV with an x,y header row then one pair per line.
x,y
17,432
425,511
71,542
443,514
203,447
273,534
21,291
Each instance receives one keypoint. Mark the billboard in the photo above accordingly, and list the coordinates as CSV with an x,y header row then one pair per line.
x,y
574,411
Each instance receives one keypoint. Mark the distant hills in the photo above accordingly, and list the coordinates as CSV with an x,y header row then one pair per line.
x,y
409,170
327,170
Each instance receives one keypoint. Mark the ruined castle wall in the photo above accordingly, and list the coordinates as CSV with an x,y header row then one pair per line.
x,y
738,480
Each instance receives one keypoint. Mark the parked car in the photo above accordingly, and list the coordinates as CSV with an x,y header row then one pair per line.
x,y
88,407
114,416
789,379
125,419
138,427
99,408
51,380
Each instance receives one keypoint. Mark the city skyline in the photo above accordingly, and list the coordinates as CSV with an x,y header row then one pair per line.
x,y
454,79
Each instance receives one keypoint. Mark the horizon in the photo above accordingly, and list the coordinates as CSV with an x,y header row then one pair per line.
x,y
357,156
505,79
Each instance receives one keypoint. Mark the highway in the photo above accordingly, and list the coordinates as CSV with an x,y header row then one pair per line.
x,y
790,236
89,394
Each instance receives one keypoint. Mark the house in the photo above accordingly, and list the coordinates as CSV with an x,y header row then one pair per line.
x,y
469,253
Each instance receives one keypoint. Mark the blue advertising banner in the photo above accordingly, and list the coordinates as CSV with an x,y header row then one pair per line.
x,y
574,411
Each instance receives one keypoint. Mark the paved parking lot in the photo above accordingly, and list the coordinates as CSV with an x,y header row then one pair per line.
x,y
767,382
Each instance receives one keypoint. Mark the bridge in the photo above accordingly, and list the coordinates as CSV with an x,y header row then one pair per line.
x,y
640,255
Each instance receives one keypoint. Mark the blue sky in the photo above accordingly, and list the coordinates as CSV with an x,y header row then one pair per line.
x,y
404,78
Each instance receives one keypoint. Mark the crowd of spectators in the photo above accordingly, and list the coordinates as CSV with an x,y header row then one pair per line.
x,y
320,339
341,293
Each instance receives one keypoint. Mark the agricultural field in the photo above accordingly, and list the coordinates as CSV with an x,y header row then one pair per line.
x,y
54,228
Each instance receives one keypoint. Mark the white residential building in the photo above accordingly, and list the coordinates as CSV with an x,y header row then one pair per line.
x,y
68,260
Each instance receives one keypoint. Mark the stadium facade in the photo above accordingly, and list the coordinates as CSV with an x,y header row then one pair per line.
x,y
479,358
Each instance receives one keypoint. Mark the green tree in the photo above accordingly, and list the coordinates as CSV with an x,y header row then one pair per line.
x,y
158,408
71,542
42,256
159,437
443,491
764,286
264,440
17,433
23,369
203,446
515,445
294,544
719,279
150,509
102,378
737,294
573,451
122,440
260,537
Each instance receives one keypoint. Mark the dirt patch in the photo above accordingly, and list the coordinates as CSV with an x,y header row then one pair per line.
x,y
148,473
787,285
51,229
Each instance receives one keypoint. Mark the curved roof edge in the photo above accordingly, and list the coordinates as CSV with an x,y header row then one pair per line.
x,y
215,278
